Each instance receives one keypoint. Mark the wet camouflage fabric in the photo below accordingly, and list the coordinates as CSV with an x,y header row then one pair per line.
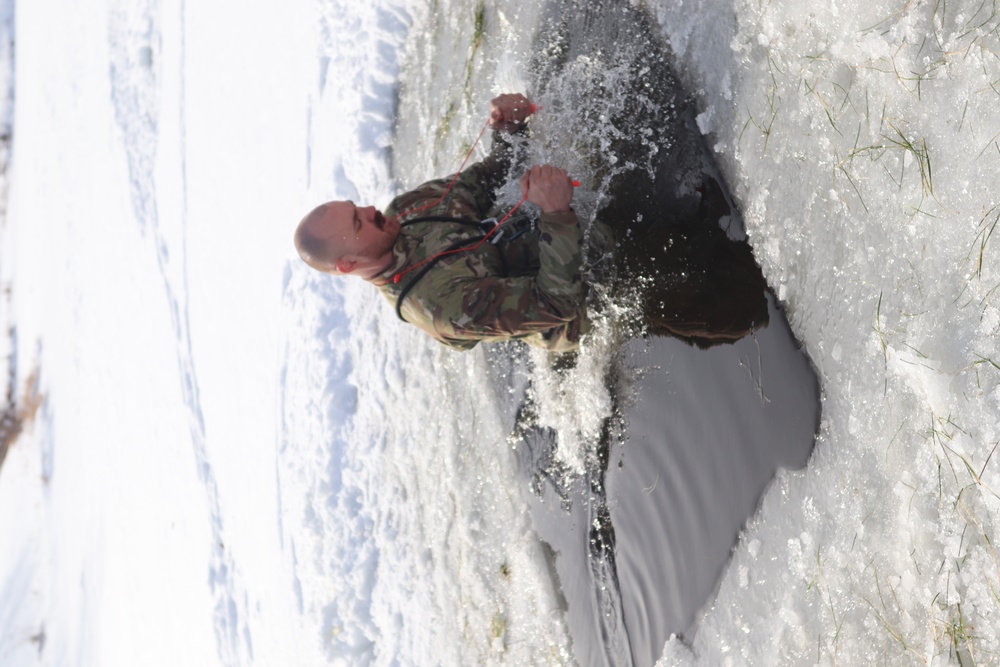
x,y
529,289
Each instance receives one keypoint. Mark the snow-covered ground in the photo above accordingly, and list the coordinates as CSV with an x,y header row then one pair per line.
x,y
863,142
243,462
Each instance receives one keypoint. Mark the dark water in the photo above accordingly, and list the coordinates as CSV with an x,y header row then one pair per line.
x,y
638,543
703,437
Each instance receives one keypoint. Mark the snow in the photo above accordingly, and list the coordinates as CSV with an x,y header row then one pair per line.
x,y
242,462
862,145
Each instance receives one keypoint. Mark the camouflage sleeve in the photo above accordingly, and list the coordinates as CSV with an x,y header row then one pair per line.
x,y
484,177
474,193
511,307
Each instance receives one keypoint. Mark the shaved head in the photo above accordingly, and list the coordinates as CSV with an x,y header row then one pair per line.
x,y
339,238
313,241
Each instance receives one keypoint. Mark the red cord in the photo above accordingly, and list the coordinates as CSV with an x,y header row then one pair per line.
x,y
452,184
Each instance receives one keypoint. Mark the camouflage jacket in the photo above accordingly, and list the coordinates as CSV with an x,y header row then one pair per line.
x,y
529,288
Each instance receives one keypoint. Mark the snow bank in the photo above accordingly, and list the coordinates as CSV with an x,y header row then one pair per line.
x,y
861,140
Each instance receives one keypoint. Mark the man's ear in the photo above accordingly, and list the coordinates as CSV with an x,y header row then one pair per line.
x,y
346,266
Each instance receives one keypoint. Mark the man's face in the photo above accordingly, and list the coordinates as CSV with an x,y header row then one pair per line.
x,y
361,233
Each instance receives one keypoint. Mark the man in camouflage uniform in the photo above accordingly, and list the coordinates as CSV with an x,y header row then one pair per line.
x,y
425,257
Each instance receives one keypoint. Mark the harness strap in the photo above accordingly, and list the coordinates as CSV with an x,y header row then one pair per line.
x,y
423,271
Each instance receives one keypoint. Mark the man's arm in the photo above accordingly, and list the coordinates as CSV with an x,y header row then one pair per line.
x,y
508,113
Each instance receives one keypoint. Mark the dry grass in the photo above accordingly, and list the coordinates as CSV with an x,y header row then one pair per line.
x,y
18,413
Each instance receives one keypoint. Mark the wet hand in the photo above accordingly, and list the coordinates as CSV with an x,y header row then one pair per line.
x,y
549,187
509,111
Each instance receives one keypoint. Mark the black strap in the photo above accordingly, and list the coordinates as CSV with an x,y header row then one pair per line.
x,y
427,267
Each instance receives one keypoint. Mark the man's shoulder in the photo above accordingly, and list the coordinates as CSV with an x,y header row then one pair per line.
x,y
413,198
